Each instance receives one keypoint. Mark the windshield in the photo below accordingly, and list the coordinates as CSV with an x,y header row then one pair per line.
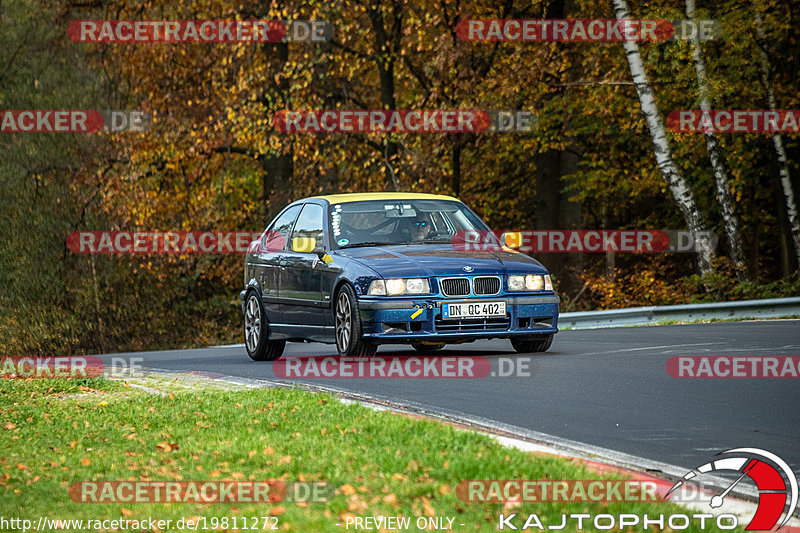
x,y
377,222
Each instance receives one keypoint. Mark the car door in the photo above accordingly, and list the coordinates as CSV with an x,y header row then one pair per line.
x,y
302,272
266,262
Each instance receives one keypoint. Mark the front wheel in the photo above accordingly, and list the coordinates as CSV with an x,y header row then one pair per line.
x,y
532,344
349,342
256,332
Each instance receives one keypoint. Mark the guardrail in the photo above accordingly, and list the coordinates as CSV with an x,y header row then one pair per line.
x,y
636,316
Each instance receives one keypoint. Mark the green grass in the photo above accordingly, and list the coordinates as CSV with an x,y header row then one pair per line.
x,y
54,433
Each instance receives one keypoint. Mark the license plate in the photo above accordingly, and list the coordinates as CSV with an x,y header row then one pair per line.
x,y
474,310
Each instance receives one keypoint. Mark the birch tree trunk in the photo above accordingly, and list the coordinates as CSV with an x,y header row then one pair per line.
x,y
718,163
672,176
777,141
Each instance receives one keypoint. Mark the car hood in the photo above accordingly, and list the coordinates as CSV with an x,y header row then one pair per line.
x,y
429,260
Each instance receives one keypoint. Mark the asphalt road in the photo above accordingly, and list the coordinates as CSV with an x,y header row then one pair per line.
x,y
603,387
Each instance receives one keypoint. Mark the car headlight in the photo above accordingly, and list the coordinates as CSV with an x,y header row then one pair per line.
x,y
516,283
398,286
417,286
377,288
534,283
529,282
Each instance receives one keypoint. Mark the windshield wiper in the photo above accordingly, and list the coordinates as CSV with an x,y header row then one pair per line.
x,y
362,244
428,241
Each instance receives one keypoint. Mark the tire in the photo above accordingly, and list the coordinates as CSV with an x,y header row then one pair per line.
x,y
424,348
532,344
256,332
347,325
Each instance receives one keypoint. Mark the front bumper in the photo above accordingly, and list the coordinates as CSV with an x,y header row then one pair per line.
x,y
419,319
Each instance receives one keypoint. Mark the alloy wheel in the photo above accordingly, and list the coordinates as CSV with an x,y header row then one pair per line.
x,y
343,321
252,323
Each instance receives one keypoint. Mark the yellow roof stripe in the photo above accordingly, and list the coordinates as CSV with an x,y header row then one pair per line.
x,y
363,196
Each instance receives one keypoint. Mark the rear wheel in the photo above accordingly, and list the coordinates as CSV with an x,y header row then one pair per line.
x,y
424,348
349,342
532,344
256,332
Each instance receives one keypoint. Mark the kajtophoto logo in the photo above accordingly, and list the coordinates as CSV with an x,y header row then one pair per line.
x,y
776,483
770,473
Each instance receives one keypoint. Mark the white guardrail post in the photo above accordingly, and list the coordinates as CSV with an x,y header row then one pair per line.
x,y
633,316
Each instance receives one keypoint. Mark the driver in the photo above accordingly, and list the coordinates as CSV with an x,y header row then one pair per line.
x,y
421,227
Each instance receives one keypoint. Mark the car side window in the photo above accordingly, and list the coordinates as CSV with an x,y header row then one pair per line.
x,y
309,224
276,237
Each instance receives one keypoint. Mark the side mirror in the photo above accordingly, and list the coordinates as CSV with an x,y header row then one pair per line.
x,y
303,245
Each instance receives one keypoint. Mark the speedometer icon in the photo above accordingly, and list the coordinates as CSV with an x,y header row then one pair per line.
x,y
767,471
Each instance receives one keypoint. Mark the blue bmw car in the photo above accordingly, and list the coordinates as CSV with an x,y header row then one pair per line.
x,y
360,270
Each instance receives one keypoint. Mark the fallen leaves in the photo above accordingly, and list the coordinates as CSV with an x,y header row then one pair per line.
x,y
356,504
347,489
427,508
